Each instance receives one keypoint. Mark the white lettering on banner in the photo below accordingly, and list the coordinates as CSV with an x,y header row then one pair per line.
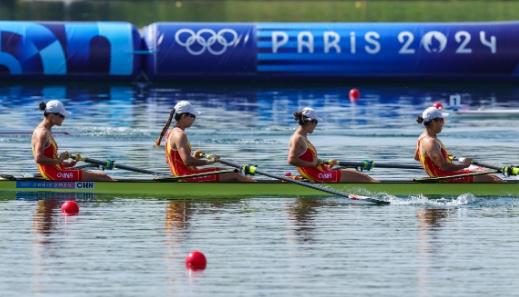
x,y
305,39
407,39
372,39
490,43
353,45
331,43
277,42
463,37
433,42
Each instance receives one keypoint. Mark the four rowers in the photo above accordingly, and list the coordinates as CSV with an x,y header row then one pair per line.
x,y
435,158
54,166
430,151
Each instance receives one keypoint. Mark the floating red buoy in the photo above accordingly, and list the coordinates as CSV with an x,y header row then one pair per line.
x,y
70,208
354,94
196,261
438,105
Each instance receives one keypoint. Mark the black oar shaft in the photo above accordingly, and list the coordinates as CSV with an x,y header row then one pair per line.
x,y
380,165
119,166
499,169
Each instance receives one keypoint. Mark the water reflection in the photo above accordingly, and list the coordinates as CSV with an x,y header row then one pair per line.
x,y
43,226
430,221
302,213
178,214
43,219
431,218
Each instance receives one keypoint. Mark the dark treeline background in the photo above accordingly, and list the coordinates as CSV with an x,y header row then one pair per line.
x,y
143,12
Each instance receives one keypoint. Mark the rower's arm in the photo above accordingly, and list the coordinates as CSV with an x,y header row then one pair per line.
x,y
40,138
182,145
296,148
433,149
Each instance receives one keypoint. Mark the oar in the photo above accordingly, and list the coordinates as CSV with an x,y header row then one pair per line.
x,y
110,164
440,178
368,165
7,177
252,170
506,170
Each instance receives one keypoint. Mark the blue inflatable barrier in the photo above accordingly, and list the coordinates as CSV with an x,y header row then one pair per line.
x,y
69,50
170,51
321,50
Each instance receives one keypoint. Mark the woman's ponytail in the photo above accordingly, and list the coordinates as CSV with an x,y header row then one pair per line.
x,y
165,128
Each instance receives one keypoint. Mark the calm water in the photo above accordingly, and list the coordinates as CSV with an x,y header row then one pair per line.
x,y
262,246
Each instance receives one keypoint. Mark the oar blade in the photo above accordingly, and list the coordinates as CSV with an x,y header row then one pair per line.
x,y
368,199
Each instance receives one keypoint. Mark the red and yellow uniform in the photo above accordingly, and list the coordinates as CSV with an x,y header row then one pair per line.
x,y
322,173
57,171
178,168
435,171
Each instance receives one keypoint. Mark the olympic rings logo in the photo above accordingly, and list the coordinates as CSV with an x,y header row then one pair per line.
x,y
215,43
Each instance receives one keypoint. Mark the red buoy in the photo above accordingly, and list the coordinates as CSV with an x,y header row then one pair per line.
x,y
196,260
438,105
70,208
354,94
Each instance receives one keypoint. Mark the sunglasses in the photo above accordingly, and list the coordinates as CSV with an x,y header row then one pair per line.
x,y
314,121
59,115
191,115
438,120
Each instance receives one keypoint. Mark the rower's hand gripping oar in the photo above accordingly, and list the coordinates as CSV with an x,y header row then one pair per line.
x,y
250,169
110,164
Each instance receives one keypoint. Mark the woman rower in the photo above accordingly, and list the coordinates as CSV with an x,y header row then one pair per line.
x,y
303,154
178,149
54,166
434,157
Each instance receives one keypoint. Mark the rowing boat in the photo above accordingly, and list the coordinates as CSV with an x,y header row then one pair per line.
x,y
158,188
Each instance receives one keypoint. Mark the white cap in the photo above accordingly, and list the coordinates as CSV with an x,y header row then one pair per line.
x,y
185,107
431,113
55,106
310,113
